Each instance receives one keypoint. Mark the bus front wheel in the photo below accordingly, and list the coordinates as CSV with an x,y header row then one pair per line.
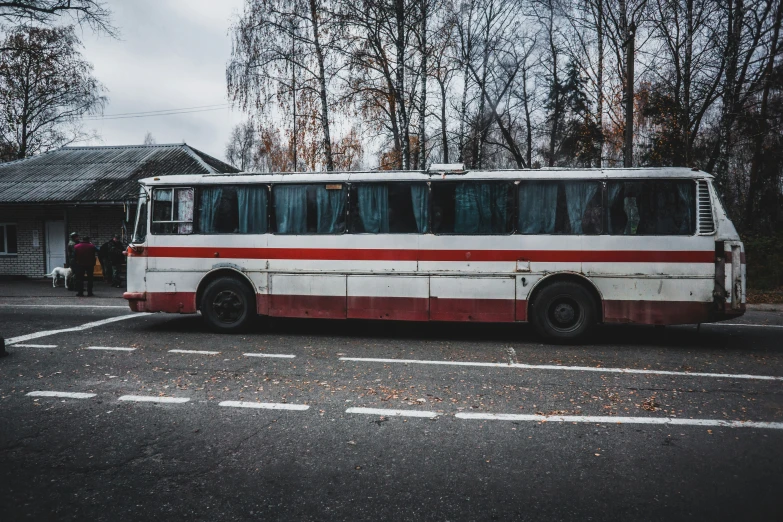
x,y
563,311
228,305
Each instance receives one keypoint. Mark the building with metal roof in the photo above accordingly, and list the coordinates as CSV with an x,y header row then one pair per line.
x,y
89,190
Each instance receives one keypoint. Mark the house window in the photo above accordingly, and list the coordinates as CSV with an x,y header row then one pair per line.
x,y
7,238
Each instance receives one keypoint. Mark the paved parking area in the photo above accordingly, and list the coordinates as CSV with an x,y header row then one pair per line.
x,y
109,415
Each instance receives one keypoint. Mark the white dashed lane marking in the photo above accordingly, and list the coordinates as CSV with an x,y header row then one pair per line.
x,y
111,348
265,405
270,355
148,398
64,395
670,421
393,413
36,345
569,368
85,326
195,352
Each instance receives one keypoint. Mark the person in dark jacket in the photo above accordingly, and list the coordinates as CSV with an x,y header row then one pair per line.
x,y
116,255
72,242
85,265
103,258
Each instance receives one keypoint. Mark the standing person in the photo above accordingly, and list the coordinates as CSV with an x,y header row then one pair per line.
x,y
72,242
85,264
116,259
105,260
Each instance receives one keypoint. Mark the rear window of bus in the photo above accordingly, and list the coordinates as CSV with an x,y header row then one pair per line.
x,y
651,207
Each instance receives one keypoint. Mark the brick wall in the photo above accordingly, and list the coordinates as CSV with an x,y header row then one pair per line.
x,y
97,222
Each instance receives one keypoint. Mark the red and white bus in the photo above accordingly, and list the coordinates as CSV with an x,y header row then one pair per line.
x,y
564,249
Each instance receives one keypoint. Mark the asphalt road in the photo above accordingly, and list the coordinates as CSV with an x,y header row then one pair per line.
x,y
108,456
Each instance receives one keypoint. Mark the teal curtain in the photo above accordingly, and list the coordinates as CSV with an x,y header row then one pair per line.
x,y
537,207
500,208
420,196
481,208
330,205
291,209
208,209
251,202
578,197
374,207
471,208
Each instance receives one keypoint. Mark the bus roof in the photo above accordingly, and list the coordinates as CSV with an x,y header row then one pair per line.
x,y
413,175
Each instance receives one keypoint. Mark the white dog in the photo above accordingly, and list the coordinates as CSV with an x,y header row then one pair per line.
x,y
66,274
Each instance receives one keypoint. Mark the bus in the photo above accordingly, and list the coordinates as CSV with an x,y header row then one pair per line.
x,y
564,249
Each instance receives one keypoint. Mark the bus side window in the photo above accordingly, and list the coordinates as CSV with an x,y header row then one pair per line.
x,y
472,208
389,208
651,207
310,209
237,209
172,211
583,207
559,207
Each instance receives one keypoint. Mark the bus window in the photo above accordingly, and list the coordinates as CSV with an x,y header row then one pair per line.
x,y
237,209
583,207
310,209
172,211
651,207
472,208
389,208
559,207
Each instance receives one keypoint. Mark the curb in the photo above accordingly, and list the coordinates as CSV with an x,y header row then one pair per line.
x,y
764,307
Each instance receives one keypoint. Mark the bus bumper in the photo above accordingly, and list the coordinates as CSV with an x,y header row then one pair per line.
x,y
136,300
175,303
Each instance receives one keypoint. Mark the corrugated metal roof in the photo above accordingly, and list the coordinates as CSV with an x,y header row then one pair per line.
x,y
96,174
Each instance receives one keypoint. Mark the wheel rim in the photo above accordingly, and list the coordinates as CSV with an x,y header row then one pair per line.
x,y
565,314
228,306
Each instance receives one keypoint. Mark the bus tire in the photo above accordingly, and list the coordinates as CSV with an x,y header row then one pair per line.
x,y
563,311
228,305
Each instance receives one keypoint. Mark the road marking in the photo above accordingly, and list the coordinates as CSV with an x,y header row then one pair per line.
x,y
198,352
148,398
393,413
670,421
5,305
36,345
64,395
112,348
570,368
741,324
85,326
271,355
265,405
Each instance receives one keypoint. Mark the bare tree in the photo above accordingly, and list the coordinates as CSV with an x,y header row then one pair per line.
x,y
91,13
282,52
242,146
46,87
149,139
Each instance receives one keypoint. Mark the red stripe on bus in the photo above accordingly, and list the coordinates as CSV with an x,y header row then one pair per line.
x,y
357,254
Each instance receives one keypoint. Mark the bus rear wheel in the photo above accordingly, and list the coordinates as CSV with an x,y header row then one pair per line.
x,y
228,305
563,311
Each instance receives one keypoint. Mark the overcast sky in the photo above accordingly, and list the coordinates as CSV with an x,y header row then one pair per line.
x,y
171,54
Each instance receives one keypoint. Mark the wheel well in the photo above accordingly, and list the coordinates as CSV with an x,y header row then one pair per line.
x,y
215,274
567,277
